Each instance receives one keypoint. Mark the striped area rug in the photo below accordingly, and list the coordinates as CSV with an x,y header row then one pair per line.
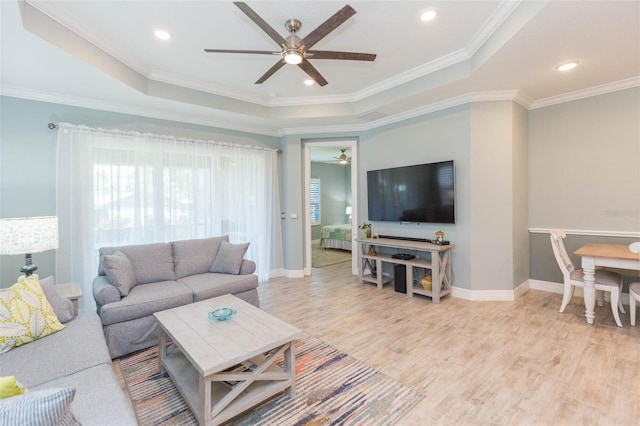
x,y
333,388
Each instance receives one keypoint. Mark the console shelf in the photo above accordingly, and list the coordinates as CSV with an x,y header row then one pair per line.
x,y
439,264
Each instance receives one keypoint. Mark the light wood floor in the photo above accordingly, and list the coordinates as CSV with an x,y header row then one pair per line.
x,y
476,363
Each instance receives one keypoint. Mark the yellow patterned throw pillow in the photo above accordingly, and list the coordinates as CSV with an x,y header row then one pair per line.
x,y
10,387
25,314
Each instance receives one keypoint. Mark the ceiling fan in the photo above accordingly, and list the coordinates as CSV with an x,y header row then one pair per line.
x,y
343,159
294,50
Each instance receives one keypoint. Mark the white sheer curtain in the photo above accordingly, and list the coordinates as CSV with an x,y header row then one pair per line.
x,y
118,188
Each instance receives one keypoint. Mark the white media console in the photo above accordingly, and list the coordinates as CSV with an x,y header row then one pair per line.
x,y
439,263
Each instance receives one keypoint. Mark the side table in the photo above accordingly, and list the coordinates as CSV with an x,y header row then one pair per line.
x,y
72,292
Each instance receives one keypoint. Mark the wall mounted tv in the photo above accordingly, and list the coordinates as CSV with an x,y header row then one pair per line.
x,y
419,193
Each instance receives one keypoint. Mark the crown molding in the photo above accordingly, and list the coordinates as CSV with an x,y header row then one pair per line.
x,y
489,96
57,98
495,21
587,93
503,95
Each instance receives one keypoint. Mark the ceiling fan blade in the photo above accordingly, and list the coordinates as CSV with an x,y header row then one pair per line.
x,y
313,73
271,71
260,22
255,52
327,26
350,56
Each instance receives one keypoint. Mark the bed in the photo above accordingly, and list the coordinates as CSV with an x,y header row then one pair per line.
x,y
336,236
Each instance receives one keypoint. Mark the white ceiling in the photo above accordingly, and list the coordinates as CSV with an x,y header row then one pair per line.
x,y
102,54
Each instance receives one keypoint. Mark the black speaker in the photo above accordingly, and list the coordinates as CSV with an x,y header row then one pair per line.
x,y
400,278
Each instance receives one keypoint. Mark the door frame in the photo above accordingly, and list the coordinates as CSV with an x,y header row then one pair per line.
x,y
352,143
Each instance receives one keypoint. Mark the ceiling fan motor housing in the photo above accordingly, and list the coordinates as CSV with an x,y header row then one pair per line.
x,y
292,25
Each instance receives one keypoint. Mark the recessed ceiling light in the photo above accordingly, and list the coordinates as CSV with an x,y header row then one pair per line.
x,y
429,14
309,82
162,34
567,66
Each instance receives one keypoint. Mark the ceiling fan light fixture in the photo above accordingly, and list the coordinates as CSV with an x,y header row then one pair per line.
x,y
293,56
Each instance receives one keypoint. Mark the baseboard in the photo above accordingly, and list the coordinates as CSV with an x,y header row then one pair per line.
x,y
483,295
521,289
275,273
491,295
294,273
553,287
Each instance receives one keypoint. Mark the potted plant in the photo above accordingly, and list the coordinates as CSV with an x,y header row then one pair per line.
x,y
366,227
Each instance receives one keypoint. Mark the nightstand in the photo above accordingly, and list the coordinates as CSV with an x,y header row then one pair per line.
x,y
72,292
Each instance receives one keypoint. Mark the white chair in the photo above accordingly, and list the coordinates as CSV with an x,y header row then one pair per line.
x,y
604,280
634,288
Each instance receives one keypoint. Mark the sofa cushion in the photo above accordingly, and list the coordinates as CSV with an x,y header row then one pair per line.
x,y
208,285
151,262
47,407
63,308
248,267
193,257
103,291
145,299
119,271
99,399
229,258
25,314
61,354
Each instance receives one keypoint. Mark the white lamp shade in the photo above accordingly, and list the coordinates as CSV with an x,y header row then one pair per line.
x,y
28,235
348,210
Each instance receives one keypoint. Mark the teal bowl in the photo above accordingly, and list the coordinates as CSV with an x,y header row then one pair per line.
x,y
222,314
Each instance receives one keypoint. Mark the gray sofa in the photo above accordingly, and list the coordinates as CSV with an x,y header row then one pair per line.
x,y
164,276
75,357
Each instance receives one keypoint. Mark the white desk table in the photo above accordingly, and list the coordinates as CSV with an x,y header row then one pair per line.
x,y
608,255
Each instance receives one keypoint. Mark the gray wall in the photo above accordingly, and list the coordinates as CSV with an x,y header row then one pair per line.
x,y
585,164
441,136
520,174
335,187
584,174
28,159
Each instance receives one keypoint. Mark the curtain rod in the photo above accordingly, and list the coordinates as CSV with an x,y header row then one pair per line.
x,y
55,126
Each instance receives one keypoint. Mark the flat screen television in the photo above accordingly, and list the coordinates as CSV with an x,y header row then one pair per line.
x,y
419,193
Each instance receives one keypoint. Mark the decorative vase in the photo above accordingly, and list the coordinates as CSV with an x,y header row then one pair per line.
x,y
427,283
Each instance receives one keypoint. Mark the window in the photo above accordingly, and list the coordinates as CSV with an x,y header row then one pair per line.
x,y
314,192
121,188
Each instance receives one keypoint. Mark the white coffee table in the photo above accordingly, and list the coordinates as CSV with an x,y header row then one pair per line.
x,y
203,349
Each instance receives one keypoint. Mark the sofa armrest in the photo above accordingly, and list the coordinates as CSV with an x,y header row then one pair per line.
x,y
103,291
247,267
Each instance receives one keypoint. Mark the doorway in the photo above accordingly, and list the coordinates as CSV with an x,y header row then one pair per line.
x,y
333,148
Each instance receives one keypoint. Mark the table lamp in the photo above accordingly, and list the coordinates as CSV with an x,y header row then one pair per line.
x,y
348,211
27,235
